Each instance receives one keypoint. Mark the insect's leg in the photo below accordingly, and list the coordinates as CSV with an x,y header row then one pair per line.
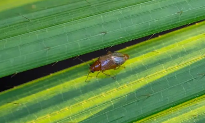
x,y
97,74
122,66
87,77
113,77
119,67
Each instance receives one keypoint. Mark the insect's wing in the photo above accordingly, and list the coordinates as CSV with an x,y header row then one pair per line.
x,y
107,62
111,61
118,58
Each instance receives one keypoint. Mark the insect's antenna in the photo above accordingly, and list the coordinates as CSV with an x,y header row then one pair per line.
x,y
80,60
54,63
108,48
87,64
151,36
14,74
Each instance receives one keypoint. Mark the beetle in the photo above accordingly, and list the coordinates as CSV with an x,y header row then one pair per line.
x,y
107,62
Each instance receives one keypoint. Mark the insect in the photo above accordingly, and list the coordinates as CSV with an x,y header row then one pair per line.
x,y
107,62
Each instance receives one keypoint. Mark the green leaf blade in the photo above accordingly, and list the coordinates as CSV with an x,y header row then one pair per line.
x,y
60,35
161,73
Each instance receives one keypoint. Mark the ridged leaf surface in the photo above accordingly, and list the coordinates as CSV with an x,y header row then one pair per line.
x,y
162,74
37,33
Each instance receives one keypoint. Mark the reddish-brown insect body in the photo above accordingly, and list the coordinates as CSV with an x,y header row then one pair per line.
x,y
109,61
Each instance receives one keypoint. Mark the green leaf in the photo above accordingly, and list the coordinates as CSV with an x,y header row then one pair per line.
x,y
190,111
39,33
162,73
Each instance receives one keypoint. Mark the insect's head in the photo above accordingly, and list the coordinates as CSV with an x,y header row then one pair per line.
x,y
96,66
92,69
126,56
